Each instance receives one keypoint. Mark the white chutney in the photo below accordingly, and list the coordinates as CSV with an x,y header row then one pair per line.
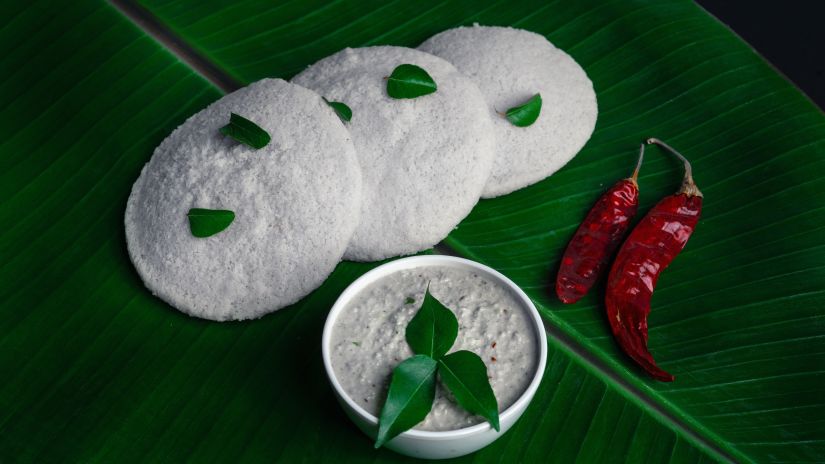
x,y
368,338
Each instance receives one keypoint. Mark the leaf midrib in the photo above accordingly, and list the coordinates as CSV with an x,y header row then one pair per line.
x,y
442,364
568,339
431,326
418,387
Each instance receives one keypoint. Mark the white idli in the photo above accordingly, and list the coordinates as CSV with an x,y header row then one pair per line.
x,y
296,203
510,66
424,160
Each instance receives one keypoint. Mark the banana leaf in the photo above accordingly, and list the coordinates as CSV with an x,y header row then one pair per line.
x,y
96,369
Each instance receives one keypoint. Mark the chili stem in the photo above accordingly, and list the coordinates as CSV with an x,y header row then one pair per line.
x,y
688,185
635,176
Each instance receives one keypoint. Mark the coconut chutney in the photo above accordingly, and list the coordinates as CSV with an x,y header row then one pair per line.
x,y
510,66
424,160
296,203
368,338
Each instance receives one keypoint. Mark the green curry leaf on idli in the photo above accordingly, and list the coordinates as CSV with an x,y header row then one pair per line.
x,y
525,114
341,109
245,131
410,81
208,222
447,185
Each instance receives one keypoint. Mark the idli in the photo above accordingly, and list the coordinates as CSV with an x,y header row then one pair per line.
x,y
295,203
510,66
424,160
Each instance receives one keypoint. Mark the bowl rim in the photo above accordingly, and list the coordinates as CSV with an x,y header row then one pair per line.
x,y
385,269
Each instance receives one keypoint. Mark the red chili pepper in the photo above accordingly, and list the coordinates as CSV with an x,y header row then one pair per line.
x,y
597,237
649,249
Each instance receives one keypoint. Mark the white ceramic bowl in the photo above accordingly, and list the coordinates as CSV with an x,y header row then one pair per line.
x,y
429,444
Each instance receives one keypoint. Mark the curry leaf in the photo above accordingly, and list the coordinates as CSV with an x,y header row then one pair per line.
x,y
245,131
208,222
525,114
410,397
410,81
341,109
433,329
465,375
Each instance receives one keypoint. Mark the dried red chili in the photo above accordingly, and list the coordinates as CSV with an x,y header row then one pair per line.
x,y
649,249
597,237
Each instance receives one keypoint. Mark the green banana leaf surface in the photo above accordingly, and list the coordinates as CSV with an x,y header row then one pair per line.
x,y
93,368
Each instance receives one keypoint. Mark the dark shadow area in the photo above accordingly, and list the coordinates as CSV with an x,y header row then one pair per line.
x,y
788,34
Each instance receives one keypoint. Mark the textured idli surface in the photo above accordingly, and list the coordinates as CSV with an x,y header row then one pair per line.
x,y
424,160
510,66
296,203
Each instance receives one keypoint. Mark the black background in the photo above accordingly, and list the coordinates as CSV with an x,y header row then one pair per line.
x,y
789,33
